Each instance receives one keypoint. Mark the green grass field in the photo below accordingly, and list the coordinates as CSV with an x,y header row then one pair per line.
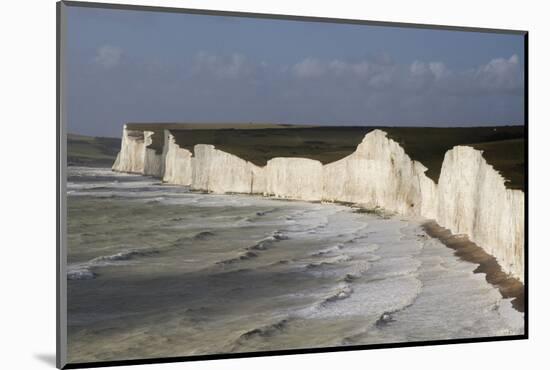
x,y
503,147
91,151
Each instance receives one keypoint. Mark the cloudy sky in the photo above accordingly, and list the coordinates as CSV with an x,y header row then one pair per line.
x,y
133,66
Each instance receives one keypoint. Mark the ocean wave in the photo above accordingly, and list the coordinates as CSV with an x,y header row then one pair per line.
x,y
384,319
261,246
279,235
265,243
156,200
329,261
80,273
265,331
356,235
102,195
84,271
350,277
243,257
86,186
203,235
124,256
316,229
281,262
252,251
342,293
263,213
329,250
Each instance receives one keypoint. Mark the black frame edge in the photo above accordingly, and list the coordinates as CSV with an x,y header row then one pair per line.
x,y
225,356
286,17
57,189
61,293
526,182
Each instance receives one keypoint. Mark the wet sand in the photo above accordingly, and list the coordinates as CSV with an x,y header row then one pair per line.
x,y
468,251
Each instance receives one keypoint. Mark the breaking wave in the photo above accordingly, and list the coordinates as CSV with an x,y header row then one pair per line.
x,y
263,213
343,293
253,250
266,331
123,256
203,235
84,271
80,273
268,241
243,257
329,250
329,261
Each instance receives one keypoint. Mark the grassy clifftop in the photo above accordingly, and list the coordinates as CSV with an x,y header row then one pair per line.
x,y
503,147
91,151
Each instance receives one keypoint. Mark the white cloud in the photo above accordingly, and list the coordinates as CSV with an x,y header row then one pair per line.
x,y
438,69
374,74
108,56
333,90
430,70
360,69
232,66
418,68
314,68
309,68
338,66
383,78
500,74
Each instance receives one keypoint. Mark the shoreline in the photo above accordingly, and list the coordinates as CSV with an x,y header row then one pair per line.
x,y
509,287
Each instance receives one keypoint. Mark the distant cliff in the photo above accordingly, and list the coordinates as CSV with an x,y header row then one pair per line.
x,y
470,197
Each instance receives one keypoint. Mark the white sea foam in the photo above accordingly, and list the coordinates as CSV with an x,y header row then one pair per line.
x,y
85,270
80,273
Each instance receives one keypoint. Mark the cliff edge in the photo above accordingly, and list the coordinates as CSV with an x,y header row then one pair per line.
x,y
470,197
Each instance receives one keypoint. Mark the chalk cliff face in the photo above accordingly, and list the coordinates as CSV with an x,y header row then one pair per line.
x,y
220,172
294,178
380,174
470,197
474,201
177,166
132,152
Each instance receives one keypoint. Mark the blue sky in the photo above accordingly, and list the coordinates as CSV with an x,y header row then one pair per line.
x,y
135,66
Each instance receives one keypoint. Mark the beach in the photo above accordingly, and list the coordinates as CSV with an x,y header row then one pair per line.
x,y
487,264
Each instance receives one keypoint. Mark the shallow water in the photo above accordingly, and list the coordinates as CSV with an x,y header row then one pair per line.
x,y
156,270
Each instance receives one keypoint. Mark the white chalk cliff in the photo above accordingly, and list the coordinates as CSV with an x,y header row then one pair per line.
x,y
470,197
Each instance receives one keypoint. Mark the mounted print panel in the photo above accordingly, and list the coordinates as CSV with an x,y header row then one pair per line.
x,y
237,184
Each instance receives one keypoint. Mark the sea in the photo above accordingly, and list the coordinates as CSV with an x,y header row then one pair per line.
x,y
157,270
